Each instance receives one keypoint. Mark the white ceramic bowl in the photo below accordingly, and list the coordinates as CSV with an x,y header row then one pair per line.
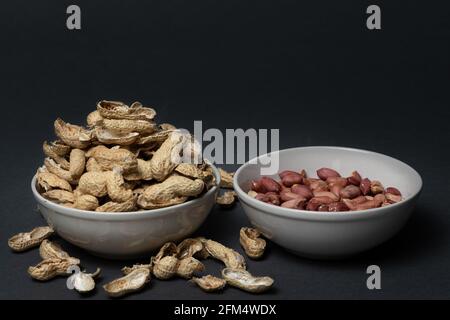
x,y
327,235
122,235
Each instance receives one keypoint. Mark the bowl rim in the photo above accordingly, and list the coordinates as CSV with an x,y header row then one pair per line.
x,y
321,215
122,216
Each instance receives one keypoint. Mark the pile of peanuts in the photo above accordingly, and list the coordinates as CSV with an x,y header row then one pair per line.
x,y
329,192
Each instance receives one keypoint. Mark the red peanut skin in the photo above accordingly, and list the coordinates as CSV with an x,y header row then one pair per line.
x,y
323,200
353,203
295,189
336,189
265,184
298,203
350,203
355,178
337,207
325,173
332,181
256,186
393,190
350,192
360,199
393,198
365,186
284,173
287,195
370,204
290,179
269,197
312,205
376,187
270,185
302,190
328,194
318,185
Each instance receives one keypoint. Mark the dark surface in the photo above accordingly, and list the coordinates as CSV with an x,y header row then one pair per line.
x,y
311,69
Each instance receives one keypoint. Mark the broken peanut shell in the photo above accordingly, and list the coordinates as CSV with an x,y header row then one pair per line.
x,y
132,282
250,240
226,179
27,240
51,250
209,283
242,279
49,268
83,282
228,256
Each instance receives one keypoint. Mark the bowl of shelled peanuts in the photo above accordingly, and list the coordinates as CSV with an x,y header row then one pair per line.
x,y
328,202
122,185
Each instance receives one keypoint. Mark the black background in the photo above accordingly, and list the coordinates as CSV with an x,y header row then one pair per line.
x,y
310,68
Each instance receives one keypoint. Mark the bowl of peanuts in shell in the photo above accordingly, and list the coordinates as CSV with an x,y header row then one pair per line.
x,y
328,202
119,186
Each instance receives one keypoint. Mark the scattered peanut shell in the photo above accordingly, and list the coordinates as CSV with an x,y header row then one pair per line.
x,y
168,249
50,250
228,256
49,268
27,240
132,282
189,248
227,199
250,240
128,270
165,268
226,179
83,282
187,267
209,283
242,279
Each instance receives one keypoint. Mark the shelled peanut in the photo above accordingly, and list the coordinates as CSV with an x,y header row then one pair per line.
x,y
329,192
121,161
